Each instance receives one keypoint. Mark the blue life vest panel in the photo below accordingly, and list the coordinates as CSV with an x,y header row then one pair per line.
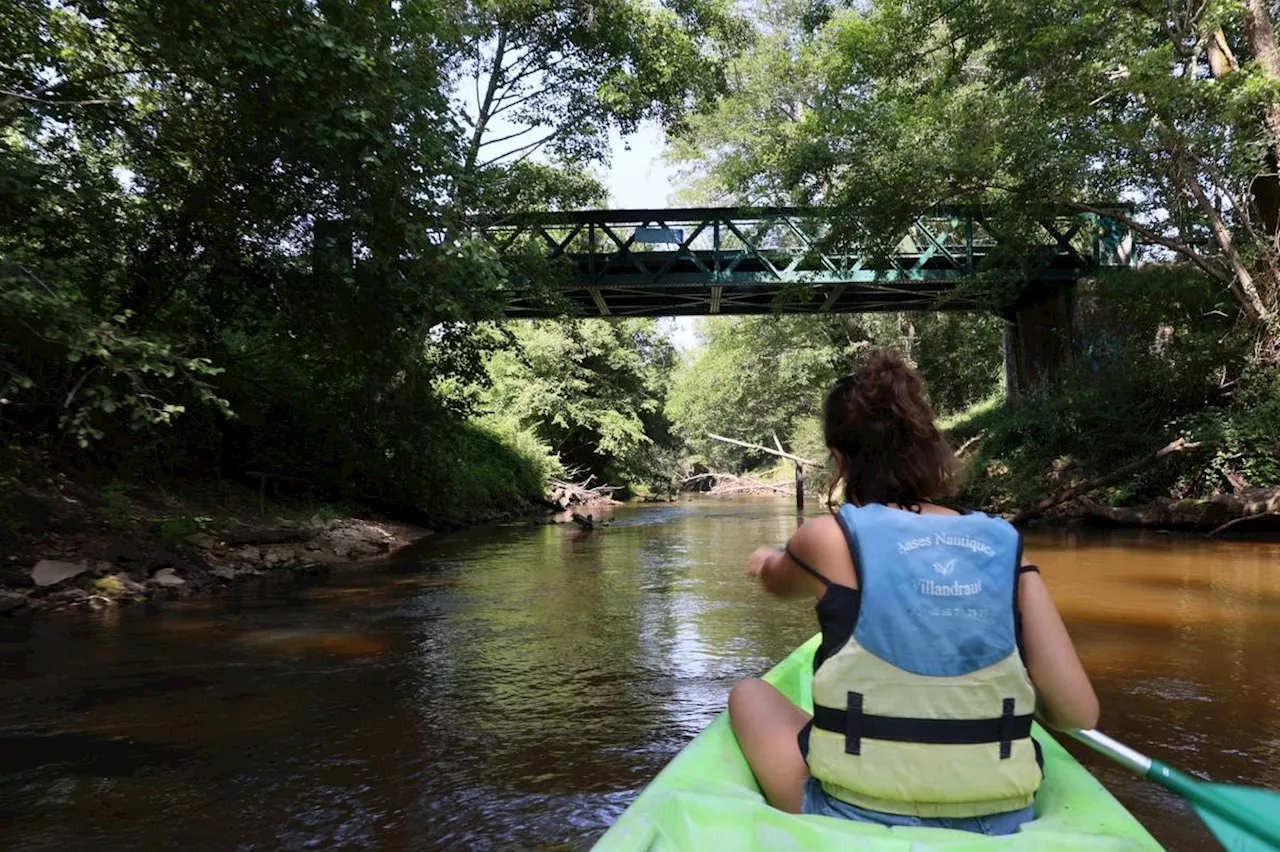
x,y
937,592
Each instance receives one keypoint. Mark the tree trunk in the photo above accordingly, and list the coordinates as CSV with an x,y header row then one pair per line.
x,y
484,109
1260,30
1039,508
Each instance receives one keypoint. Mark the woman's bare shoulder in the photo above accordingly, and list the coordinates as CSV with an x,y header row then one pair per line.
x,y
821,528
819,537
821,543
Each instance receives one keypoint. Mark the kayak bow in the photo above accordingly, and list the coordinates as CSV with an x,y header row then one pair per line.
x,y
707,798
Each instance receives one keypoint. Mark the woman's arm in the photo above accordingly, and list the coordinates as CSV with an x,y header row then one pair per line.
x,y
778,573
820,543
1065,695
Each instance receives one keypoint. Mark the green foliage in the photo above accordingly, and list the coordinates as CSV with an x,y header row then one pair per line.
x,y
104,377
114,500
110,586
221,226
755,377
592,391
1158,359
882,110
475,464
177,529
557,76
1245,437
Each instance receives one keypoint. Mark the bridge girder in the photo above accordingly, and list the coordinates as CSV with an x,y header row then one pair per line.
x,y
702,261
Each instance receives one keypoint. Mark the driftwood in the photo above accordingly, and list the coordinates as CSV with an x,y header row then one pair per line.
x,y
732,483
589,522
1040,507
1257,507
564,495
799,462
761,448
1262,516
969,443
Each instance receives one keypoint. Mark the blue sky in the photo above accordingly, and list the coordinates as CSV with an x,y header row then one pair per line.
x,y
637,177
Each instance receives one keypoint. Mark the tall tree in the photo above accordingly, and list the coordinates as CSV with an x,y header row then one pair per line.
x,y
1029,107
553,77
592,390
753,377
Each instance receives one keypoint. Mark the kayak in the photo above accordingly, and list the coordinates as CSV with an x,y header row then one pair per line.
x,y
707,798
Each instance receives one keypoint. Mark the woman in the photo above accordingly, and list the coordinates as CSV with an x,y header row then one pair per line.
x,y
934,631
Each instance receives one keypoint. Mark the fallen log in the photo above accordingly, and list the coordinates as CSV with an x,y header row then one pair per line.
x,y
969,443
1037,509
564,495
1262,516
732,483
589,522
1215,515
769,450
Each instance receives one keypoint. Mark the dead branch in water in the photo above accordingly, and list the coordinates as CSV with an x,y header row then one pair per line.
x,y
969,443
732,483
563,495
1262,516
1035,510
761,448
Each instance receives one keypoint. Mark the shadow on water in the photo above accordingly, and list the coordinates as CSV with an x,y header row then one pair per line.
x,y
82,753
515,687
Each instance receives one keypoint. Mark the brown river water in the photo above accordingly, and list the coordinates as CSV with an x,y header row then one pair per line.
x,y
516,687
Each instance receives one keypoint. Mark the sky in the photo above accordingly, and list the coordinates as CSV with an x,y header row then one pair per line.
x,y
637,177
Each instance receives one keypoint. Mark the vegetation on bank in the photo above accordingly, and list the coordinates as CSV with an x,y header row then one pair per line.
x,y
235,242
1157,359
1170,123
234,237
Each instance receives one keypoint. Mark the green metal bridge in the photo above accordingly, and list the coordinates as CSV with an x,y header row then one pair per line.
x,y
702,261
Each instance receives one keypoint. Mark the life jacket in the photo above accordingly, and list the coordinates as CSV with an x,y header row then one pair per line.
x,y
926,709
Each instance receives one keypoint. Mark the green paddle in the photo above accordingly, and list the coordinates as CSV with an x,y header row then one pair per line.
x,y
1244,819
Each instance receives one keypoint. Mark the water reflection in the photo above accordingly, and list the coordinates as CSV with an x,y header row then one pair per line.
x,y
515,687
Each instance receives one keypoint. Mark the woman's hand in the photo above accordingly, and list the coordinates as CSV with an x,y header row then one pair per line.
x,y
759,560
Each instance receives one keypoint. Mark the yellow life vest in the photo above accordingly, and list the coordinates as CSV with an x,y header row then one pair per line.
x,y
926,709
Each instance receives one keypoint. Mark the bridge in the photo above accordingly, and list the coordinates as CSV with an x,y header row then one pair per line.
x,y
706,261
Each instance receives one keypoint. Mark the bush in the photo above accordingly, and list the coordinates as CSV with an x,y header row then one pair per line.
x,y
1157,358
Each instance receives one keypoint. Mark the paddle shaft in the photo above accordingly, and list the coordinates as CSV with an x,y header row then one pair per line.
x,y
1200,794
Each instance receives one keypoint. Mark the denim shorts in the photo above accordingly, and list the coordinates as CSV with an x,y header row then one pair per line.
x,y
818,801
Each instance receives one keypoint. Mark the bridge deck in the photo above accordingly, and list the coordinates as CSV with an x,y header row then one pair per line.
x,y
742,261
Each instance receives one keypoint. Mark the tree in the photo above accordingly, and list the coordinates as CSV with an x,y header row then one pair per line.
x,y
737,152
592,390
1027,108
754,377
247,220
552,77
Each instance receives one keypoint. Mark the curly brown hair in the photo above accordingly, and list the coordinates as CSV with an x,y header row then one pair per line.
x,y
878,422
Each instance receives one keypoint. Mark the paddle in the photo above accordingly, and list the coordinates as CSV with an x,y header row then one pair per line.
x,y
1244,819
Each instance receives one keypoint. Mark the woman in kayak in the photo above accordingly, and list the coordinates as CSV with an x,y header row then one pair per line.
x,y
939,640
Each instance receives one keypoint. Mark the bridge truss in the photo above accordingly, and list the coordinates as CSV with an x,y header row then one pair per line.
x,y
704,261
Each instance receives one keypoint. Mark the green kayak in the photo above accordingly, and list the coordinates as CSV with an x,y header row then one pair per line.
x,y
707,798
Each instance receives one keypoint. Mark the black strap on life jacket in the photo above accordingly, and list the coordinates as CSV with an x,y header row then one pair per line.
x,y
856,725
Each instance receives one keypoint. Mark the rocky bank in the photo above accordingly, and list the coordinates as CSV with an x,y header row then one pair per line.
x,y
99,571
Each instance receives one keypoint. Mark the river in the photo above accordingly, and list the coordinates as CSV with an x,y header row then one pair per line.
x,y
515,687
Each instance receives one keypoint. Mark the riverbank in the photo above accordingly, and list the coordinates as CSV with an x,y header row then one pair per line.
x,y
1105,449
72,543
89,541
